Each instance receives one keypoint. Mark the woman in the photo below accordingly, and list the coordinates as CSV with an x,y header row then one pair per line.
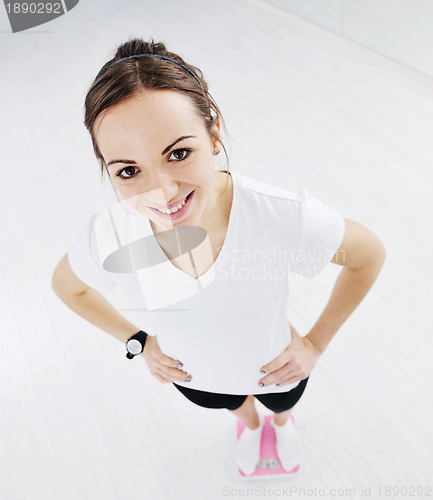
x,y
207,252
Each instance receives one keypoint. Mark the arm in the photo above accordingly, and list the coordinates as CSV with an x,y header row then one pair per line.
x,y
95,308
89,303
361,254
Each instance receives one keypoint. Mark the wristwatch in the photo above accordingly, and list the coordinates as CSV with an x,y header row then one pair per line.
x,y
135,344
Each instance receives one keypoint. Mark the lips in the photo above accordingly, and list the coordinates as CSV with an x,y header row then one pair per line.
x,y
178,213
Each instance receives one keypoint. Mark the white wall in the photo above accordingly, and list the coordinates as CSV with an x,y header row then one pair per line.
x,y
399,29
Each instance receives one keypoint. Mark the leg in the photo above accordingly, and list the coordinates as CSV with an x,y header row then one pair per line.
x,y
247,413
288,441
248,444
282,417
282,403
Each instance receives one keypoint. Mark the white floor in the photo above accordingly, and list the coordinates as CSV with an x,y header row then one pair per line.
x,y
305,109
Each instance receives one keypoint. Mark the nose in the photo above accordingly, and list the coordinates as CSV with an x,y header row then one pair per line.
x,y
162,191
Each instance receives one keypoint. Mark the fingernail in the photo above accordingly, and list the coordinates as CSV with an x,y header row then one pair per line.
x,y
179,365
188,379
261,384
262,371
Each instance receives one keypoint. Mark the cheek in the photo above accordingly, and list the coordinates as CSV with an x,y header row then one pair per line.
x,y
201,173
201,163
126,191
131,195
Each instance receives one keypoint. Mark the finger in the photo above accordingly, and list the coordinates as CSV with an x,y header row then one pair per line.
x,y
293,379
174,369
276,375
289,381
170,362
282,360
166,378
159,378
177,374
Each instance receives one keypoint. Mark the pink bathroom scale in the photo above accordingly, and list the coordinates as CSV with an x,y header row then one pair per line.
x,y
269,465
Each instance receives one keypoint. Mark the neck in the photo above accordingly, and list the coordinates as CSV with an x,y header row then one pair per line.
x,y
211,214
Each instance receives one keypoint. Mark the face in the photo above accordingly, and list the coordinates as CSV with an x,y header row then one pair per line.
x,y
159,156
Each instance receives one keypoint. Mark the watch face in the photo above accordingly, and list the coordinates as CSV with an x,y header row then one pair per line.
x,y
134,346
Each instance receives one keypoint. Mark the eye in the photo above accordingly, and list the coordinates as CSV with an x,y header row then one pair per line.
x,y
129,170
188,151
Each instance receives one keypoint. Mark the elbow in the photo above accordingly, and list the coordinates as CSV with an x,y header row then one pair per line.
x,y
374,255
380,253
377,257
54,280
55,284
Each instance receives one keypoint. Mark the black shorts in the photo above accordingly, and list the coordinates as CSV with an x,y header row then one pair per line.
x,y
275,401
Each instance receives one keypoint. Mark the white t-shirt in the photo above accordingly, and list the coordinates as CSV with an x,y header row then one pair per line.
x,y
232,320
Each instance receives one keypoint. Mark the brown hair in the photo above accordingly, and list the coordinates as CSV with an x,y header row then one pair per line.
x,y
126,78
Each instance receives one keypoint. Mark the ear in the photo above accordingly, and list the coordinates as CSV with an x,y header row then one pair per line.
x,y
217,124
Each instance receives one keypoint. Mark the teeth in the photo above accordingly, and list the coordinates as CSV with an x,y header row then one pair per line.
x,y
174,209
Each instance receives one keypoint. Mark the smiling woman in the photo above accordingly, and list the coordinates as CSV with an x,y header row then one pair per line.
x,y
174,240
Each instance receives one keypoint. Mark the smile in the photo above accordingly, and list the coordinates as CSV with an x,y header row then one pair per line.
x,y
177,211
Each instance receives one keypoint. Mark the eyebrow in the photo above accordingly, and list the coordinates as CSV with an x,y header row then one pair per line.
x,y
162,154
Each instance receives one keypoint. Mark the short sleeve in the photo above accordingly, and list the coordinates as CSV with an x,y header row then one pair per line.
x,y
321,231
84,261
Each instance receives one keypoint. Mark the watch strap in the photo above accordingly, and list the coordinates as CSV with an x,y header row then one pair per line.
x,y
141,336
